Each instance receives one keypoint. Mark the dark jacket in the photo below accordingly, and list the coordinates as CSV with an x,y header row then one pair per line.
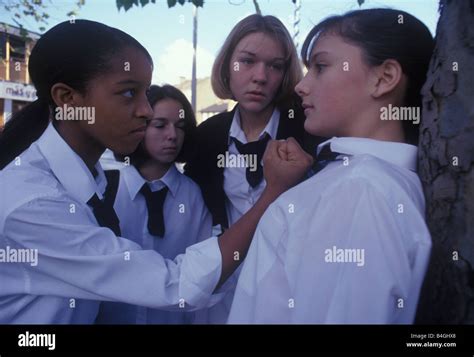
x,y
212,139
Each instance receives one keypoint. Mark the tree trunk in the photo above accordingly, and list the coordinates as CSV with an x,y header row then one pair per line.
x,y
446,168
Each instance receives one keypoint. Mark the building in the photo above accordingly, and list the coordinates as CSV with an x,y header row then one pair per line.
x,y
207,104
16,89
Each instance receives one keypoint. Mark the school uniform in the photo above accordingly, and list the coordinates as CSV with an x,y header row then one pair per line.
x,y
348,245
226,191
231,191
186,222
45,196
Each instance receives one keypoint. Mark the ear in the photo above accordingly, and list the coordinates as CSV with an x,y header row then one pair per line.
x,y
388,76
63,94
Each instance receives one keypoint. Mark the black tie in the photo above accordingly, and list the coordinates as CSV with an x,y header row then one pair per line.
x,y
253,148
154,203
324,157
105,214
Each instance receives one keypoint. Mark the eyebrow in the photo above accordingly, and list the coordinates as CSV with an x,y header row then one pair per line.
x,y
167,119
317,54
254,55
128,81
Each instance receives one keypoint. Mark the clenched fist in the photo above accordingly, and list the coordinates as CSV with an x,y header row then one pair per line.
x,y
284,164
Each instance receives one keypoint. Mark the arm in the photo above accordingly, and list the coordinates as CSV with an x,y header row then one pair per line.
x,y
78,259
284,164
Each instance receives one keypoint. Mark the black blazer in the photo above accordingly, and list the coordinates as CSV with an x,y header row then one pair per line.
x,y
212,140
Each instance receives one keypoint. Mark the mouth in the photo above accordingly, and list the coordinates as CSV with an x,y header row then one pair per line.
x,y
139,130
170,149
256,95
307,108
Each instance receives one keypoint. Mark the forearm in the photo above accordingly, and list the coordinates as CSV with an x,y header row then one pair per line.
x,y
235,242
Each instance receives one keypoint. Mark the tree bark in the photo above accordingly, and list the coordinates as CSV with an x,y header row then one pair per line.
x,y
446,160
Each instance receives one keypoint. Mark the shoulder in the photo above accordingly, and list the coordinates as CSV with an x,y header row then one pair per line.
x,y
188,188
25,181
33,196
355,178
382,175
216,123
28,185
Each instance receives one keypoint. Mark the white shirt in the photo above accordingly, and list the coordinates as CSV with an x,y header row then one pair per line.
x,y
79,263
241,197
348,245
187,221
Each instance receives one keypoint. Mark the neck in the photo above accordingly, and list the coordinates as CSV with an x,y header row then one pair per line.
x,y
88,149
153,170
253,123
369,125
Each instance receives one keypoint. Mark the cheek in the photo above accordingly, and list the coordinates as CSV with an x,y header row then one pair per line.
x,y
276,79
180,137
152,140
236,80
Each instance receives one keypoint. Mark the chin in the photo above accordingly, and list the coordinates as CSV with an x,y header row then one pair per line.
x,y
254,107
124,149
165,159
311,128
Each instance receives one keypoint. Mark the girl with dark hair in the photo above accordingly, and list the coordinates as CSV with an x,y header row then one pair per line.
x,y
158,207
61,245
349,244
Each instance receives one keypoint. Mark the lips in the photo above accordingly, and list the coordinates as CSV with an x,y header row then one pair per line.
x,y
139,130
307,109
256,94
171,148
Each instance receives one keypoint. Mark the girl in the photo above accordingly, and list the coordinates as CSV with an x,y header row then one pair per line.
x,y
52,213
357,250
258,67
152,190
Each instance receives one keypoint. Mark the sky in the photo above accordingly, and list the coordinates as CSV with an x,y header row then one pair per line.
x,y
167,32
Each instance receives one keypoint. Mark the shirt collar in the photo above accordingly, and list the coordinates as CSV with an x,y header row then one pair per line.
x,y
69,168
134,181
400,154
236,129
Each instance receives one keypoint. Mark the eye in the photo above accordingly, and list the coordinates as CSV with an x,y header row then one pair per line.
x,y
157,123
129,93
246,60
319,67
180,125
277,66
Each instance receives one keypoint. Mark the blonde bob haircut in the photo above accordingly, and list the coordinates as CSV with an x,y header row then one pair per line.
x,y
268,25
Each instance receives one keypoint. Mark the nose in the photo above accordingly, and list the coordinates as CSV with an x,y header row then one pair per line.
x,y
301,88
260,73
171,132
144,109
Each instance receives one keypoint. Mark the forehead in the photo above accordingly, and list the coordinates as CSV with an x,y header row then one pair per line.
x,y
129,64
332,45
261,44
167,107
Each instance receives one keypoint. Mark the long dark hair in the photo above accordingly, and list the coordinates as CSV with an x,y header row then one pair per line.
x,y
72,53
385,34
155,95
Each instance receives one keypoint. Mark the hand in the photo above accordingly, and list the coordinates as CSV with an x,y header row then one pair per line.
x,y
284,164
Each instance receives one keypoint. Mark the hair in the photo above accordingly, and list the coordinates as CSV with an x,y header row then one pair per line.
x,y
380,36
268,25
72,53
155,95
